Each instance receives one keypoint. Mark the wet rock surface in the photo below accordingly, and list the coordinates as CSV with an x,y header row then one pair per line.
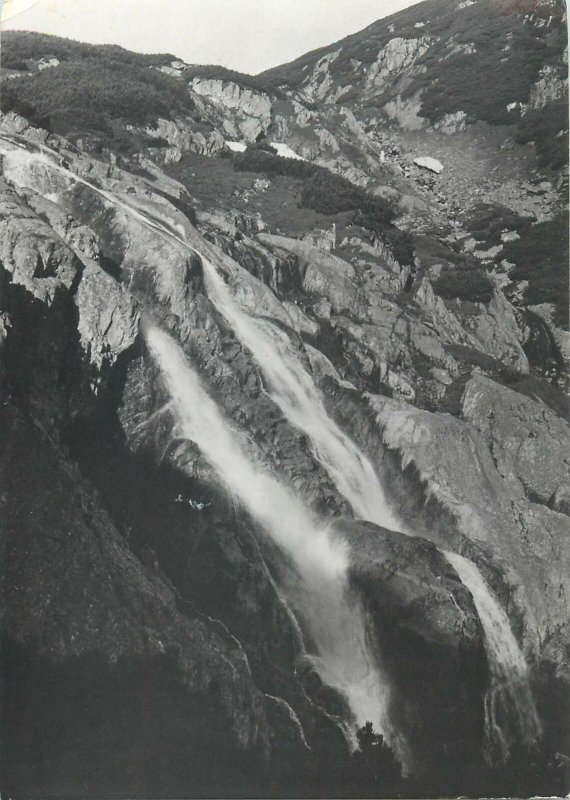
x,y
430,639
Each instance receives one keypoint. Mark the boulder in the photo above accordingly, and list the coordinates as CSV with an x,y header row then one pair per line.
x,y
430,641
429,163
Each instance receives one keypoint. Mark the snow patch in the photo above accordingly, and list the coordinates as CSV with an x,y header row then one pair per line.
x,y
465,4
285,151
237,147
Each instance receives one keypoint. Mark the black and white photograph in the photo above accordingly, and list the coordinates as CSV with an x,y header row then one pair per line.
x,y
284,411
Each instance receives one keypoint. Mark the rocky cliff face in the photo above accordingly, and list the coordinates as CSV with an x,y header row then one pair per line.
x,y
144,604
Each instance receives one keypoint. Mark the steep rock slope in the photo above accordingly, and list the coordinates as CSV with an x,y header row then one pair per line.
x,y
133,570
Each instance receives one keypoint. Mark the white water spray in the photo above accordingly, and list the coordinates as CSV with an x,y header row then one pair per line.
x,y
509,700
318,590
294,391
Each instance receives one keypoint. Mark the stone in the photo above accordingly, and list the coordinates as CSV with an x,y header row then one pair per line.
x,y
429,163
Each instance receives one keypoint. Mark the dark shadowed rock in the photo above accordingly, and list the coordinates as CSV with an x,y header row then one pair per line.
x,y
430,643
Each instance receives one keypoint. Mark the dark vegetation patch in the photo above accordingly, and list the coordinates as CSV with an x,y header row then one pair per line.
x,y
258,159
467,282
547,128
541,258
487,221
215,184
448,84
95,90
20,46
431,252
89,94
461,276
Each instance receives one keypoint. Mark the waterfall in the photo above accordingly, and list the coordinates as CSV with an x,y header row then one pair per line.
x,y
318,591
294,391
318,586
508,702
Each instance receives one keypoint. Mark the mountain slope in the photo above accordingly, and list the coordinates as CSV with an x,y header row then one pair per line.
x,y
379,344
446,64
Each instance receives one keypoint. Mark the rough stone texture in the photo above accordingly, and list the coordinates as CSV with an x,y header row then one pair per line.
x,y
108,317
460,467
421,609
84,615
29,251
530,443
251,111
180,136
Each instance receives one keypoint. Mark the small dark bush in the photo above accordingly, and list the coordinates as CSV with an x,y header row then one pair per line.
x,y
401,243
486,222
331,194
15,63
256,159
541,258
548,128
263,144
471,284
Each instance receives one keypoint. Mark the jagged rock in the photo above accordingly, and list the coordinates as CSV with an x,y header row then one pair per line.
x,y
108,316
82,614
550,86
251,111
561,337
494,328
395,57
35,258
180,136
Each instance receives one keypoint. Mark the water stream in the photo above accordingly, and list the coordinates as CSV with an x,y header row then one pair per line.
x,y
317,588
509,705
294,391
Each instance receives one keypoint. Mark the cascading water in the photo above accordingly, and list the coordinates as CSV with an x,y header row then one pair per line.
x,y
508,703
318,588
294,391
320,595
